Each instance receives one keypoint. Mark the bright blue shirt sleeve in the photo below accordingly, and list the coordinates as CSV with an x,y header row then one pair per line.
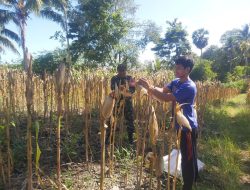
x,y
171,84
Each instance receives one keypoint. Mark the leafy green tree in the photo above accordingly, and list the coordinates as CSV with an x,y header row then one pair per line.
x,y
48,61
232,54
138,37
150,32
96,28
244,34
210,53
200,39
238,73
175,42
236,43
203,71
230,34
219,58
245,43
245,48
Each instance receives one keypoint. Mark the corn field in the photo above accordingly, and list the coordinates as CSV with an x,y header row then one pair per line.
x,y
51,104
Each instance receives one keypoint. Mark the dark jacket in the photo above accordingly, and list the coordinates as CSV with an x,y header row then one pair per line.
x,y
122,81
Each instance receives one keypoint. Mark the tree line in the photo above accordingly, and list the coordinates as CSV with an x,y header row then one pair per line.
x,y
104,33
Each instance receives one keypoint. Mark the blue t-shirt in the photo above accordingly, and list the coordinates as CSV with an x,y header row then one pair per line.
x,y
185,92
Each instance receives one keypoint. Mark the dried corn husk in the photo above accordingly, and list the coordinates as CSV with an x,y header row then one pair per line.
x,y
60,77
107,107
166,106
126,93
181,119
149,157
153,126
142,91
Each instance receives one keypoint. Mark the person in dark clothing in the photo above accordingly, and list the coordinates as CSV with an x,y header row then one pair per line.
x,y
183,91
121,80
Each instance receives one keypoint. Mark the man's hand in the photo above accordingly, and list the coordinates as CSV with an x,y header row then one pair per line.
x,y
143,82
112,94
122,87
131,82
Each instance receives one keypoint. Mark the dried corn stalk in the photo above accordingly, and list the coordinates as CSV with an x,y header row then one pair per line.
x,y
248,97
59,78
142,91
29,101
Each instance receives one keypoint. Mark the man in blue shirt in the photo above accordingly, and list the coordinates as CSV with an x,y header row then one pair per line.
x,y
183,91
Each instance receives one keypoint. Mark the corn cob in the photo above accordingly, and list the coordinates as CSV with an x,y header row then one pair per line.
x,y
181,119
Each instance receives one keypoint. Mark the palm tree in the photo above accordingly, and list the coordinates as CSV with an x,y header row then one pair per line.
x,y
245,48
244,33
230,47
58,13
200,39
7,37
19,11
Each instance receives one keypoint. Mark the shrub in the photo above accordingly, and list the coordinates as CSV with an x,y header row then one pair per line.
x,y
203,71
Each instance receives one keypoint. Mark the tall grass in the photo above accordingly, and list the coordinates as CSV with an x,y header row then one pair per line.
x,y
226,133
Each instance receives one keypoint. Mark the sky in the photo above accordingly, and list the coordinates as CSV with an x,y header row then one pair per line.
x,y
216,16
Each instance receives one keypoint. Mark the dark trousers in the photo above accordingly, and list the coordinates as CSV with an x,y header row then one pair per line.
x,y
129,119
189,158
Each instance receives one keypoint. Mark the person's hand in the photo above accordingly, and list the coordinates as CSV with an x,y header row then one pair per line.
x,y
112,94
132,82
121,87
143,82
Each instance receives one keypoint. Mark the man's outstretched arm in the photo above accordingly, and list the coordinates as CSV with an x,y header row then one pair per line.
x,y
162,94
159,94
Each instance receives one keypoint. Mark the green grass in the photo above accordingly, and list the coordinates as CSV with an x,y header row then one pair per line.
x,y
68,182
225,135
236,105
125,157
